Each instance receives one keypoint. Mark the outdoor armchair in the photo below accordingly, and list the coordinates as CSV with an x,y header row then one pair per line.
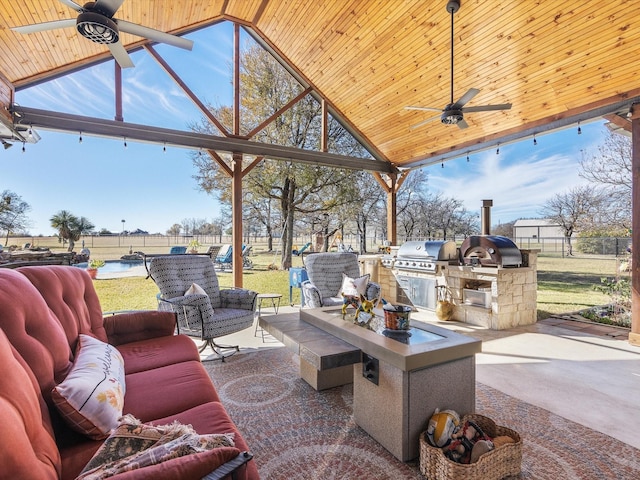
x,y
325,272
189,287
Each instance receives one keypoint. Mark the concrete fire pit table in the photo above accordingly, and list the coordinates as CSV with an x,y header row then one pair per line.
x,y
402,377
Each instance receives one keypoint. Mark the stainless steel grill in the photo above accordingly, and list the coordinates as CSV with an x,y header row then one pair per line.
x,y
424,256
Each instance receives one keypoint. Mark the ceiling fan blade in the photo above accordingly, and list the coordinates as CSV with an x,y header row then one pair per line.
x,y
424,122
109,7
487,108
472,92
155,35
462,124
120,54
426,109
43,27
74,5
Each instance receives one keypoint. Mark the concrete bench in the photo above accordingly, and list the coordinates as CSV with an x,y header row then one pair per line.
x,y
325,361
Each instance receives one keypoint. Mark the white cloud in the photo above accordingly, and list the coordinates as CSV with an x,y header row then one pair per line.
x,y
519,184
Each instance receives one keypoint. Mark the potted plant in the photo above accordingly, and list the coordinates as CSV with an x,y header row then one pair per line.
x,y
93,266
194,245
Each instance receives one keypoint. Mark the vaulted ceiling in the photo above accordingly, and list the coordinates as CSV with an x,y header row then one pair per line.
x,y
556,62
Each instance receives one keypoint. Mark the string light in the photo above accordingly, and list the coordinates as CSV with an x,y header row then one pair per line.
x,y
579,129
125,142
164,148
467,157
535,142
442,164
498,150
23,148
80,138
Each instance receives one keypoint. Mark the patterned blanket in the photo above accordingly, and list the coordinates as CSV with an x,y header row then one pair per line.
x,y
134,445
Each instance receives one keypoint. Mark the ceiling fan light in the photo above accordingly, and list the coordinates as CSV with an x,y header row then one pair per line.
x,y
97,28
451,117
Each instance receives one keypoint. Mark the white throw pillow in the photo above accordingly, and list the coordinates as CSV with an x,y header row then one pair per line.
x,y
354,287
195,289
91,398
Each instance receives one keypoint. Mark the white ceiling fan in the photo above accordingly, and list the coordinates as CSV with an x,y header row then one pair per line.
x,y
453,113
96,22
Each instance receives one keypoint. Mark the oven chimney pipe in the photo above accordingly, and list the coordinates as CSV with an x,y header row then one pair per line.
x,y
485,217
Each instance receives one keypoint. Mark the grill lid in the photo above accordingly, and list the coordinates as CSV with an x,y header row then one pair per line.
x,y
441,250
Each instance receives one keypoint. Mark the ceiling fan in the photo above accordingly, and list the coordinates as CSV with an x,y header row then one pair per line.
x,y
96,22
453,113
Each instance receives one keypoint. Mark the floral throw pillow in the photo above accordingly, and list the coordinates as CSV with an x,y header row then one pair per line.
x,y
354,287
91,398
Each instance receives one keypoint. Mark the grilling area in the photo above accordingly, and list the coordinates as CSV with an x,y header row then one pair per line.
x,y
488,280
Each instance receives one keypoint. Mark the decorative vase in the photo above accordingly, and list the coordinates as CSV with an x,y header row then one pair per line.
x,y
444,310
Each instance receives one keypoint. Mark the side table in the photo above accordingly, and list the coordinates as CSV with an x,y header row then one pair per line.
x,y
274,298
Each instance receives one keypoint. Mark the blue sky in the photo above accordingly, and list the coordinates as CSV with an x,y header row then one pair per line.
x,y
152,189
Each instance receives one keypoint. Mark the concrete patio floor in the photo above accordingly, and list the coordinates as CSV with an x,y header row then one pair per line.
x,y
586,373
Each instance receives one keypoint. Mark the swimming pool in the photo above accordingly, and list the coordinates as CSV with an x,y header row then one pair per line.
x,y
114,266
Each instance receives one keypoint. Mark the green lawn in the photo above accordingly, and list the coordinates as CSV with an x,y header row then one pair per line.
x,y
564,284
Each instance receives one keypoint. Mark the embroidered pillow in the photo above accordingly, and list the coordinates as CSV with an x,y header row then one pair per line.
x,y
91,398
354,287
195,289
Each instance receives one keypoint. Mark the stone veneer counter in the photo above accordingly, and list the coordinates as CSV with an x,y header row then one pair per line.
x,y
398,385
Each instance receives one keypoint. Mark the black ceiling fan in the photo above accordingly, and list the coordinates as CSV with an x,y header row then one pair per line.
x,y
453,113
95,21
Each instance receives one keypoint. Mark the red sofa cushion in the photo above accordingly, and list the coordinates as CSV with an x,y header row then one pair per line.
x,y
33,452
213,418
71,296
158,352
168,390
33,330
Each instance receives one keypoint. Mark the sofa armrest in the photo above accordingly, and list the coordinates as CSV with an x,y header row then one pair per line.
x,y
238,298
188,467
311,294
135,326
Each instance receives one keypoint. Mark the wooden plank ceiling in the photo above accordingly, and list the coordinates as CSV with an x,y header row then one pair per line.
x,y
555,61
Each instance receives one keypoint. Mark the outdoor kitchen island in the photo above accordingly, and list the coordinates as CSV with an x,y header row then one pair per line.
x,y
402,378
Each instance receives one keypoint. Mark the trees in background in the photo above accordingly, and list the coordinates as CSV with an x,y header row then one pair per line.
x,y
13,214
609,169
578,209
295,190
603,207
70,228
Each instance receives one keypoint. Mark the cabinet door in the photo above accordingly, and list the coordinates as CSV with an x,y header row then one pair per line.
x,y
423,292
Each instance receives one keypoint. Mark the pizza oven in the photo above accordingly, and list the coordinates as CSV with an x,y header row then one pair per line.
x,y
490,251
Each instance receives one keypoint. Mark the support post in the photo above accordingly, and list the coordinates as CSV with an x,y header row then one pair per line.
x,y
118,90
236,219
392,211
634,335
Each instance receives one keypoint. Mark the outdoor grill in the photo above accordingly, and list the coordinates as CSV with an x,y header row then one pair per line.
x,y
490,251
417,267
421,256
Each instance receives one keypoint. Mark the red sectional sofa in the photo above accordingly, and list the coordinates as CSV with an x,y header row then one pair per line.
x,y
43,311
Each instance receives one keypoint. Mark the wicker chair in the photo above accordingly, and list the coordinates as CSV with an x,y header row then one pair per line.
x,y
208,316
325,278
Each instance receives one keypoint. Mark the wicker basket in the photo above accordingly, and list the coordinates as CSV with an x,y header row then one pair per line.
x,y
494,465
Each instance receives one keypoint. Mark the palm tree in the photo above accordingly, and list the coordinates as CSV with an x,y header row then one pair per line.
x,y
70,227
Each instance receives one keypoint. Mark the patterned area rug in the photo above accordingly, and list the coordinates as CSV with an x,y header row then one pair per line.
x,y
298,433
